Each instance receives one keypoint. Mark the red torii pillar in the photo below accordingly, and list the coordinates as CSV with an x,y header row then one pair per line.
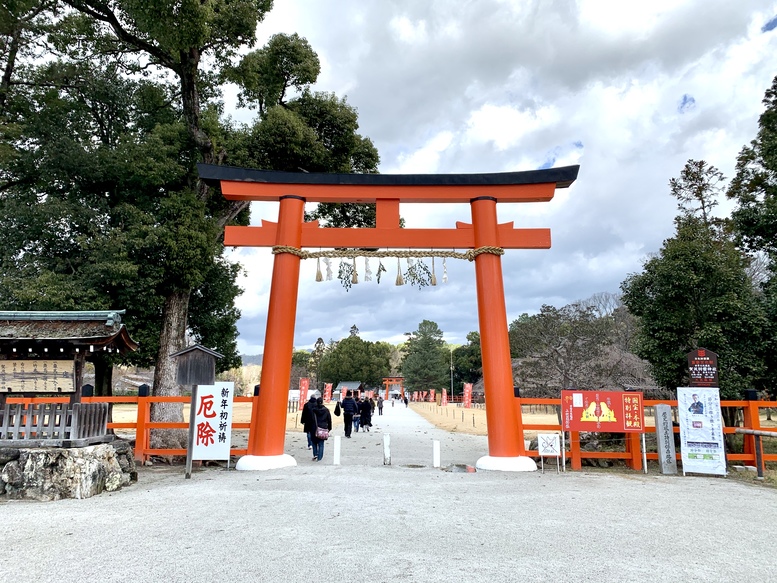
x,y
291,234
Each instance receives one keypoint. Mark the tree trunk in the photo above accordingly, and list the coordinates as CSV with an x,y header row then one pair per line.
x,y
172,338
5,84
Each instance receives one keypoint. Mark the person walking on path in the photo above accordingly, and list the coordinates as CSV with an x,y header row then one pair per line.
x,y
380,405
366,414
323,419
406,400
307,419
349,408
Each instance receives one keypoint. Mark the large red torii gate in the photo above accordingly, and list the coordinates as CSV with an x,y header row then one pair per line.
x,y
291,232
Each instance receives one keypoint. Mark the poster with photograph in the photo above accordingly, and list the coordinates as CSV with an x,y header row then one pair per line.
x,y
702,449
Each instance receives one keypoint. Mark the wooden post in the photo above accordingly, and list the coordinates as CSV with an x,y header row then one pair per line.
x,y
574,450
141,438
192,417
634,447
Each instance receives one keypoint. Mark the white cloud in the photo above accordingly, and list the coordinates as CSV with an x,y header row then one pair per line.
x,y
493,86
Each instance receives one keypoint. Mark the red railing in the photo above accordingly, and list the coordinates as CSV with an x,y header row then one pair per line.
x,y
632,454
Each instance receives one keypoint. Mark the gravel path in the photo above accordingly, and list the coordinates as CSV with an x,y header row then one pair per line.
x,y
404,522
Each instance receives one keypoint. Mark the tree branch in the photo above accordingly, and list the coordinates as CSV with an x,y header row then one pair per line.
x,y
100,11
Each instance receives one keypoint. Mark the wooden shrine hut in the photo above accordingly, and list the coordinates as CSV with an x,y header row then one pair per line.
x,y
44,353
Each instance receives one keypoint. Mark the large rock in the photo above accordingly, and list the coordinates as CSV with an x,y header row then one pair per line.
x,y
53,473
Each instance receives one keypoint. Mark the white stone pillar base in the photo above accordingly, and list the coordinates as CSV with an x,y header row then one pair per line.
x,y
251,463
506,464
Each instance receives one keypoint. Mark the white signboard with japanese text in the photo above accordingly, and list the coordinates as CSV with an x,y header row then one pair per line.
x,y
213,422
702,449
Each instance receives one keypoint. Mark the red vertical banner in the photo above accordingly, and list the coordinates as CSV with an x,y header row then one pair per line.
x,y
432,396
444,399
415,395
467,398
327,392
304,384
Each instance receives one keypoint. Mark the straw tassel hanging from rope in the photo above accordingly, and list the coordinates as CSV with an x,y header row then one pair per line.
x,y
367,270
355,276
400,280
319,277
444,271
434,277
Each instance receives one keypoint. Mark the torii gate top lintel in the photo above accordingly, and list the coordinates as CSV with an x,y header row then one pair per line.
x,y
387,191
268,185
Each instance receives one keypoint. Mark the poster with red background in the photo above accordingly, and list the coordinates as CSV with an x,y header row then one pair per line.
x,y
604,411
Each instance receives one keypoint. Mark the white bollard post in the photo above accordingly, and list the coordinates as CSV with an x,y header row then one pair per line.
x,y
336,451
435,454
386,449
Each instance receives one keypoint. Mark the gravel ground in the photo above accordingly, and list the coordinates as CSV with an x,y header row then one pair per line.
x,y
405,522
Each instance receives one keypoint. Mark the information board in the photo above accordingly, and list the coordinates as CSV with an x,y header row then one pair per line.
x,y
37,376
703,368
702,449
604,411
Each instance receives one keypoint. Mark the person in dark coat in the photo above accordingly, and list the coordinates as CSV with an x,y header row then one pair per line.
x,y
380,405
350,408
307,420
366,414
323,419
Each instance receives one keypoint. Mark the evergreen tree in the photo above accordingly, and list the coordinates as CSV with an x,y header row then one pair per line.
x,y
696,293
426,363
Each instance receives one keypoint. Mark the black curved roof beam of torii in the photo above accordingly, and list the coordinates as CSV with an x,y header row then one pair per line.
x,y
387,191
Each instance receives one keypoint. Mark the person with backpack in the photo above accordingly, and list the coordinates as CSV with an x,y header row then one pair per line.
x,y
350,408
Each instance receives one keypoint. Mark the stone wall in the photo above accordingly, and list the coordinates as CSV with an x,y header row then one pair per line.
x,y
53,473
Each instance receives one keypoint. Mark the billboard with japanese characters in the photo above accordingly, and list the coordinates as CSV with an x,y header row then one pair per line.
x,y
604,411
702,450
36,376
213,422
703,368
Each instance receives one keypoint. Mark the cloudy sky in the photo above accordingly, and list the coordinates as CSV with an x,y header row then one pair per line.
x,y
628,90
